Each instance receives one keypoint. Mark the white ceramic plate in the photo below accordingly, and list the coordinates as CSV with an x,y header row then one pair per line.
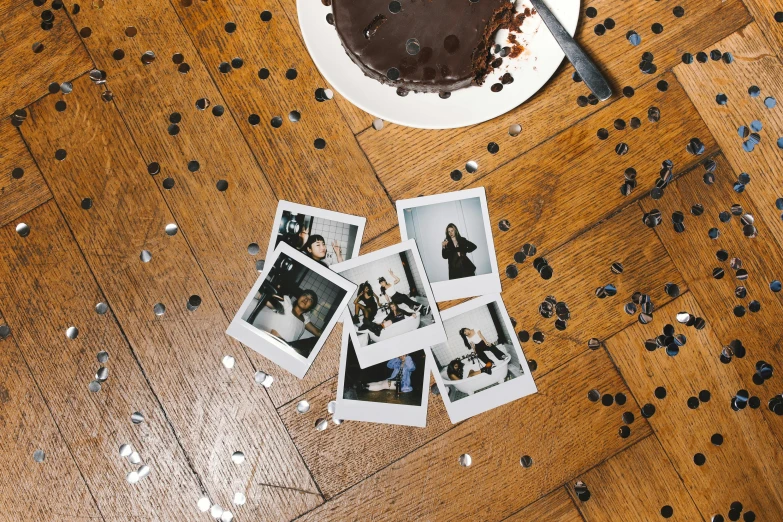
x,y
468,106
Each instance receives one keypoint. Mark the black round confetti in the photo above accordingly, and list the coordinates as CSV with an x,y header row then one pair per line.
x,y
291,74
319,143
660,392
699,459
591,12
607,399
266,16
648,410
717,439
678,11
625,432
628,91
667,511
620,398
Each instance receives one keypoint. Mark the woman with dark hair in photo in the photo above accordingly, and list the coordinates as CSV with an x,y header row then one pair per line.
x,y
454,248
456,368
315,248
395,315
287,318
367,302
393,296
402,367
475,341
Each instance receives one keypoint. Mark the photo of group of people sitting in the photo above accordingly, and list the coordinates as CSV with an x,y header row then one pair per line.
x,y
369,303
325,241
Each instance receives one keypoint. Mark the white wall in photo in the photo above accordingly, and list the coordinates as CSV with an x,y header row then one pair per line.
x,y
479,318
328,296
427,224
417,281
343,233
372,271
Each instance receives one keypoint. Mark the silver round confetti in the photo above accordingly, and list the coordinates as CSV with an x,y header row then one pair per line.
x,y
239,498
171,229
134,458
102,357
228,362
39,455
132,477
465,460
303,407
216,511
143,471
72,332
321,424
204,504
331,407
238,457
23,229
102,374
101,308
471,166
159,309
94,386
145,256
137,417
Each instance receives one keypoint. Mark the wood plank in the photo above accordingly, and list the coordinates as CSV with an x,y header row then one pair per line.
x,y
42,300
694,253
766,14
749,459
219,226
754,64
580,266
26,426
427,157
21,186
338,177
357,119
214,411
555,507
636,484
27,73
558,427
557,190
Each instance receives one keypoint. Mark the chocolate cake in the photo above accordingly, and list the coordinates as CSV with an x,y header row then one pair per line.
x,y
422,45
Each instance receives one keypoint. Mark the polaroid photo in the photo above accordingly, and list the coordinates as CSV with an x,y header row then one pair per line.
x,y
291,309
325,236
391,392
392,312
454,236
481,365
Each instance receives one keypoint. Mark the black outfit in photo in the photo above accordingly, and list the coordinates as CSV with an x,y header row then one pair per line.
x,y
371,305
459,264
400,298
396,318
482,347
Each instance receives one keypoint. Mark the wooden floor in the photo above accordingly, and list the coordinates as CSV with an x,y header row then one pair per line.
x,y
92,173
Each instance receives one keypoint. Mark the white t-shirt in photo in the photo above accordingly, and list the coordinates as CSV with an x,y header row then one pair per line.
x,y
475,339
390,291
287,324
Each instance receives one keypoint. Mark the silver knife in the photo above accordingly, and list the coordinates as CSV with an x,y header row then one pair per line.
x,y
587,70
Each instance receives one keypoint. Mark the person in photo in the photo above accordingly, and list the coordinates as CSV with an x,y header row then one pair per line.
x,y
287,317
457,368
393,296
454,249
474,340
400,379
367,302
395,315
315,248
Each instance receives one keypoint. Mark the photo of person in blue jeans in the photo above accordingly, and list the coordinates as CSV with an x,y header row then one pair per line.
x,y
396,381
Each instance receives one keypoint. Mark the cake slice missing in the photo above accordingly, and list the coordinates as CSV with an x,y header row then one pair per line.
x,y
422,45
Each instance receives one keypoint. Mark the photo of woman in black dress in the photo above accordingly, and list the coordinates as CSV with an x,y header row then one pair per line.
x,y
454,248
367,302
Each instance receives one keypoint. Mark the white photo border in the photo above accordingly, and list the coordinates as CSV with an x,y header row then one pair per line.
x,y
379,412
419,339
468,286
350,219
495,396
281,354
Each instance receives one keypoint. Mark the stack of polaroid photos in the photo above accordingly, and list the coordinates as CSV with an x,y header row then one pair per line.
x,y
393,333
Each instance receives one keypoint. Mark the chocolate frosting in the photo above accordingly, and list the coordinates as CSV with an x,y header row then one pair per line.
x,y
421,45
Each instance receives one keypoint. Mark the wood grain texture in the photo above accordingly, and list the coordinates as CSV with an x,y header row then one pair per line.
x,y
557,190
42,300
26,73
750,457
218,226
347,454
555,427
555,507
764,13
180,352
26,426
634,485
694,253
580,266
18,194
357,119
754,64
427,157
338,177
